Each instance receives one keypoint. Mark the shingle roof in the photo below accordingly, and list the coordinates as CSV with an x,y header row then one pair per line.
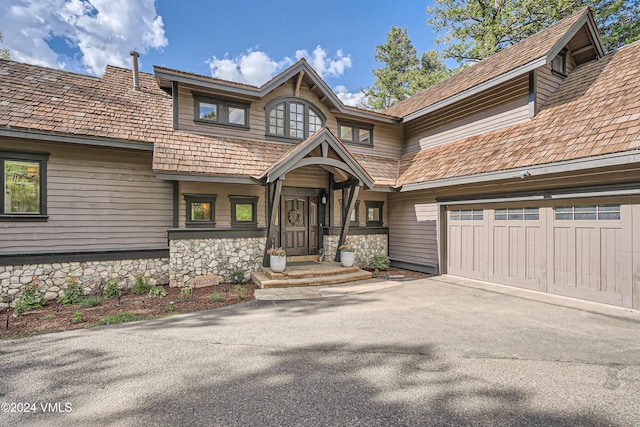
x,y
50,100
59,102
530,49
595,111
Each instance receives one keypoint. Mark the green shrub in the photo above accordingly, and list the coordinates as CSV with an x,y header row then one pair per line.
x,y
157,291
170,307
379,262
91,301
72,293
185,293
77,317
111,289
116,318
216,296
237,276
30,299
240,291
141,286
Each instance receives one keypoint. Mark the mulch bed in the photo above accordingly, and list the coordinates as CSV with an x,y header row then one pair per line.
x,y
55,317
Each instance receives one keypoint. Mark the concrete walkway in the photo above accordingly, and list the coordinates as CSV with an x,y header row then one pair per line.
x,y
324,291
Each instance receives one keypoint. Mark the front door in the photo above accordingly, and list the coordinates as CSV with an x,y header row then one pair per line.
x,y
300,225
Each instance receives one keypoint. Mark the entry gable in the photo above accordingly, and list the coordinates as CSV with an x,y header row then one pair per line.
x,y
323,149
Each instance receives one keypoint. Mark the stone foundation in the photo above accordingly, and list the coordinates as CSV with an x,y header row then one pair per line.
x,y
190,258
366,245
93,275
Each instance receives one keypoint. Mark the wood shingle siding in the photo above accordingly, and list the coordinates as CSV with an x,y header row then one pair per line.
x,y
96,199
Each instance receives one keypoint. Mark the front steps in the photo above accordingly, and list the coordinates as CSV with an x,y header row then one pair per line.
x,y
308,274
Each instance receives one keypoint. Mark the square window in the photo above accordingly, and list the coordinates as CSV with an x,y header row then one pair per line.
x,y
208,111
23,186
244,211
374,213
346,133
200,210
237,115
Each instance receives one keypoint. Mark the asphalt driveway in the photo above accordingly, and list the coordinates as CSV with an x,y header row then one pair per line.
x,y
438,351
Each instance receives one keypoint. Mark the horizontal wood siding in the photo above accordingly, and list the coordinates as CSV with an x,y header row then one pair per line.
x,y
546,83
223,203
502,106
307,177
96,199
412,222
387,137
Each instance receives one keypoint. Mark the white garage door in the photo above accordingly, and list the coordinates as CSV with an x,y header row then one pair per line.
x,y
571,247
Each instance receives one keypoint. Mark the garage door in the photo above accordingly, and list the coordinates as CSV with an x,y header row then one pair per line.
x,y
571,247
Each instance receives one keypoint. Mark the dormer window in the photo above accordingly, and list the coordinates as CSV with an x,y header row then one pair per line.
x,y
358,133
218,111
292,119
559,63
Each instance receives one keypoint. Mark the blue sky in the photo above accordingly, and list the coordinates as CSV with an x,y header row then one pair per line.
x,y
246,41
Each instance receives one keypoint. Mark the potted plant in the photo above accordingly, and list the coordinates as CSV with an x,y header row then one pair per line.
x,y
347,255
277,259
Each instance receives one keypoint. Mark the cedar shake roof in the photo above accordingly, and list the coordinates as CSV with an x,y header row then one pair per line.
x,y
60,102
594,111
35,98
530,49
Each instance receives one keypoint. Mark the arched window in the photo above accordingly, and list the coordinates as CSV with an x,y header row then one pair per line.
x,y
292,119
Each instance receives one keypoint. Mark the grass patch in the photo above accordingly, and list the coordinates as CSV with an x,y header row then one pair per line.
x,y
116,318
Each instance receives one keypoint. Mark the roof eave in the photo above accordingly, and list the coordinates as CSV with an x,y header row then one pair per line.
x,y
614,159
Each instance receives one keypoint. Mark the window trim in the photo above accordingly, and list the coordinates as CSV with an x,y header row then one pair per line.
x,y
42,159
223,111
287,100
244,200
356,126
374,204
195,198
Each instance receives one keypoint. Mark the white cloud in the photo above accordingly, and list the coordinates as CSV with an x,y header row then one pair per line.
x,y
348,98
99,32
323,65
254,67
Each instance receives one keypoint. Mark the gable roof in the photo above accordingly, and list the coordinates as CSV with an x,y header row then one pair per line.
x,y
301,68
593,113
529,54
297,156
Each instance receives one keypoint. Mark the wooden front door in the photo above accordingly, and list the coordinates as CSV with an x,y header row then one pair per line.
x,y
300,225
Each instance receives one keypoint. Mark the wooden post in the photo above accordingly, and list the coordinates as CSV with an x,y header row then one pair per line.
x,y
346,219
274,205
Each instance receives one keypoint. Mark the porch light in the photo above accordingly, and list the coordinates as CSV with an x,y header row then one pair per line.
x,y
323,199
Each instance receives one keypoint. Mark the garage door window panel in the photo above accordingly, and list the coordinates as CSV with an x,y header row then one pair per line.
x,y
517,214
467,215
588,212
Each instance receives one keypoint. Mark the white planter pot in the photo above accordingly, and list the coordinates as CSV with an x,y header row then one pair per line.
x,y
277,263
347,258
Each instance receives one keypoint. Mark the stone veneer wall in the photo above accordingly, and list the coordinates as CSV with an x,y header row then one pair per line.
x,y
195,257
93,275
367,245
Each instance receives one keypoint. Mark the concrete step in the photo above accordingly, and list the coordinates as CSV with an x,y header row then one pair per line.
x,y
297,271
264,281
